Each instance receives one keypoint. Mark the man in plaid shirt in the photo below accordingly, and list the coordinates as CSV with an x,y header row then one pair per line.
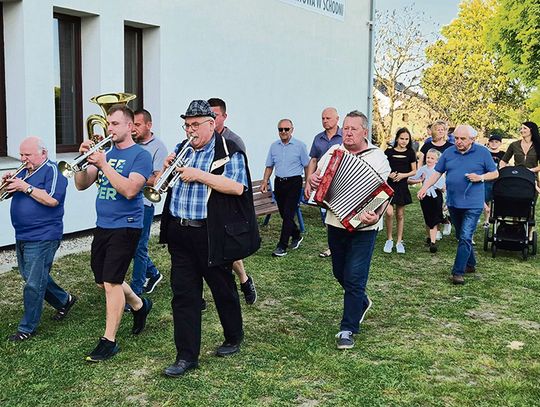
x,y
208,222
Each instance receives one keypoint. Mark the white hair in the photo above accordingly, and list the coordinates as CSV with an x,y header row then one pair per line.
x,y
468,128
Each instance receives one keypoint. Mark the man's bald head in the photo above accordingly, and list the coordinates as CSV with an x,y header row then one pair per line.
x,y
330,119
33,152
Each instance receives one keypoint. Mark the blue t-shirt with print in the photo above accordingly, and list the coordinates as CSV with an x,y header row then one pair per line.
x,y
460,192
32,220
113,209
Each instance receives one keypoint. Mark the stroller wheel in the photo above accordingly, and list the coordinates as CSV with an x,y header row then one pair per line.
x,y
486,239
493,250
525,252
534,243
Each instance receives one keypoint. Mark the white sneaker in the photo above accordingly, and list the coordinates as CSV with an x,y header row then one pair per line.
x,y
400,248
439,235
447,229
388,246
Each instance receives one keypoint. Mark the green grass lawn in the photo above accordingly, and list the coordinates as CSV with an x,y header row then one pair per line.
x,y
425,342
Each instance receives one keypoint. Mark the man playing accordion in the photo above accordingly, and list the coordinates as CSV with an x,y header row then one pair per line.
x,y
352,251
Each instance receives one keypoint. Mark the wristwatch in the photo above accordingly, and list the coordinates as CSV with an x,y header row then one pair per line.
x,y
482,178
29,190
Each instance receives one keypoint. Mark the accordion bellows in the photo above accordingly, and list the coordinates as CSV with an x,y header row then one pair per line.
x,y
350,187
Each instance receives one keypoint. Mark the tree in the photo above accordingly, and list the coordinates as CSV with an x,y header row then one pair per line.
x,y
466,79
399,60
514,33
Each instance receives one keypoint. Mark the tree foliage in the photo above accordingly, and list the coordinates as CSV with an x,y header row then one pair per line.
x,y
465,78
514,33
399,60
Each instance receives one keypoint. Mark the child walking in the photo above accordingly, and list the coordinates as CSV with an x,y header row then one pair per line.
x,y
402,159
432,204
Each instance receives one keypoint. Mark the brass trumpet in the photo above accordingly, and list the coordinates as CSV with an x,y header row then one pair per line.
x,y
105,102
170,176
4,194
81,162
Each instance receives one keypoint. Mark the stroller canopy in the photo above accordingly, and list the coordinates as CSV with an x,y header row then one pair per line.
x,y
515,183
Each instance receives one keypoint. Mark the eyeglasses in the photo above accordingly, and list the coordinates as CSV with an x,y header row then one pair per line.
x,y
194,126
283,129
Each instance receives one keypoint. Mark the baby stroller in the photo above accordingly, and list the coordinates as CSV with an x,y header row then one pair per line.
x,y
512,212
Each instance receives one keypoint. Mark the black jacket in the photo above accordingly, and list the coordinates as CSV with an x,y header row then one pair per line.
x,y
233,232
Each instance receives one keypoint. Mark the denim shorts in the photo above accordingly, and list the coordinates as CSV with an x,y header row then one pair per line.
x,y
111,253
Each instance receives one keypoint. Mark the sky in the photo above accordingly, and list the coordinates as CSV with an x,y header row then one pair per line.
x,y
437,12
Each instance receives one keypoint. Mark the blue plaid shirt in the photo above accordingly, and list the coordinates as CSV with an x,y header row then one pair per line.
x,y
189,199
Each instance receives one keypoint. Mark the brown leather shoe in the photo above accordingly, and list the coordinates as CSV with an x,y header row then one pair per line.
x,y
458,279
470,269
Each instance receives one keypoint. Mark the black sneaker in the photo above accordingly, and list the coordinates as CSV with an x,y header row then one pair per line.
x,y
104,350
139,317
345,340
62,312
295,243
20,336
152,283
279,252
250,293
432,247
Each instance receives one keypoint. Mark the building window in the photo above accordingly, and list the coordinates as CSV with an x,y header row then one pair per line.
x,y
67,89
133,65
3,131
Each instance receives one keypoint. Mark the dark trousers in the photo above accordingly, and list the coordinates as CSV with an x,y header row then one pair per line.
x,y
287,192
188,247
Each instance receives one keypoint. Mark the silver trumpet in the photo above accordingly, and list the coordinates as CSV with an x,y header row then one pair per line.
x,y
81,162
170,176
4,194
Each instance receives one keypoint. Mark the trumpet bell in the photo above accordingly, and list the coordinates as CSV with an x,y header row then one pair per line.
x,y
151,194
65,168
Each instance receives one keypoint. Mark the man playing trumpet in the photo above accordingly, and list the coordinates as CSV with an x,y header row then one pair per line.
x,y
121,173
208,222
37,211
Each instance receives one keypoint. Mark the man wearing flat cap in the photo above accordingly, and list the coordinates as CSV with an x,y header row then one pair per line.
x,y
208,222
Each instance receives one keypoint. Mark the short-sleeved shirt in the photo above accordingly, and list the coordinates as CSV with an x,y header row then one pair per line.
x,y
32,220
321,143
288,159
189,199
427,173
158,152
400,161
378,161
428,145
529,160
497,157
113,209
460,192
228,134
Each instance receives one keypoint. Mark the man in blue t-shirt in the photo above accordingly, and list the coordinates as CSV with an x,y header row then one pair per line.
x,y
120,173
467,165
37,211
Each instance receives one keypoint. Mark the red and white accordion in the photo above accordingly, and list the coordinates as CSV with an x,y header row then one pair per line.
x,y
350,187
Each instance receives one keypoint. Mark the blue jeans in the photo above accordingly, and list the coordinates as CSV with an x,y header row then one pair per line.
x,y
351,259
464,221
143,267
35,260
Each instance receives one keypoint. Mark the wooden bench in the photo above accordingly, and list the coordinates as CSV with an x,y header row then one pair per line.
x,y
265,204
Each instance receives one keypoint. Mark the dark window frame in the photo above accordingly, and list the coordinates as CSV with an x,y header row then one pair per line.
x,y
3,126
139,102
76,21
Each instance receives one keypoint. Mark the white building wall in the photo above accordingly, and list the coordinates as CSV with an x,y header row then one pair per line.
x,y
267,59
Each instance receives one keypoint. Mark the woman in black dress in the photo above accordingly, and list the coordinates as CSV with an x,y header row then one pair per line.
x,y
402,159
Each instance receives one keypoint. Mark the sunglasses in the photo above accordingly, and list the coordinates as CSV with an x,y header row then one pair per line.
x,y
283,129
